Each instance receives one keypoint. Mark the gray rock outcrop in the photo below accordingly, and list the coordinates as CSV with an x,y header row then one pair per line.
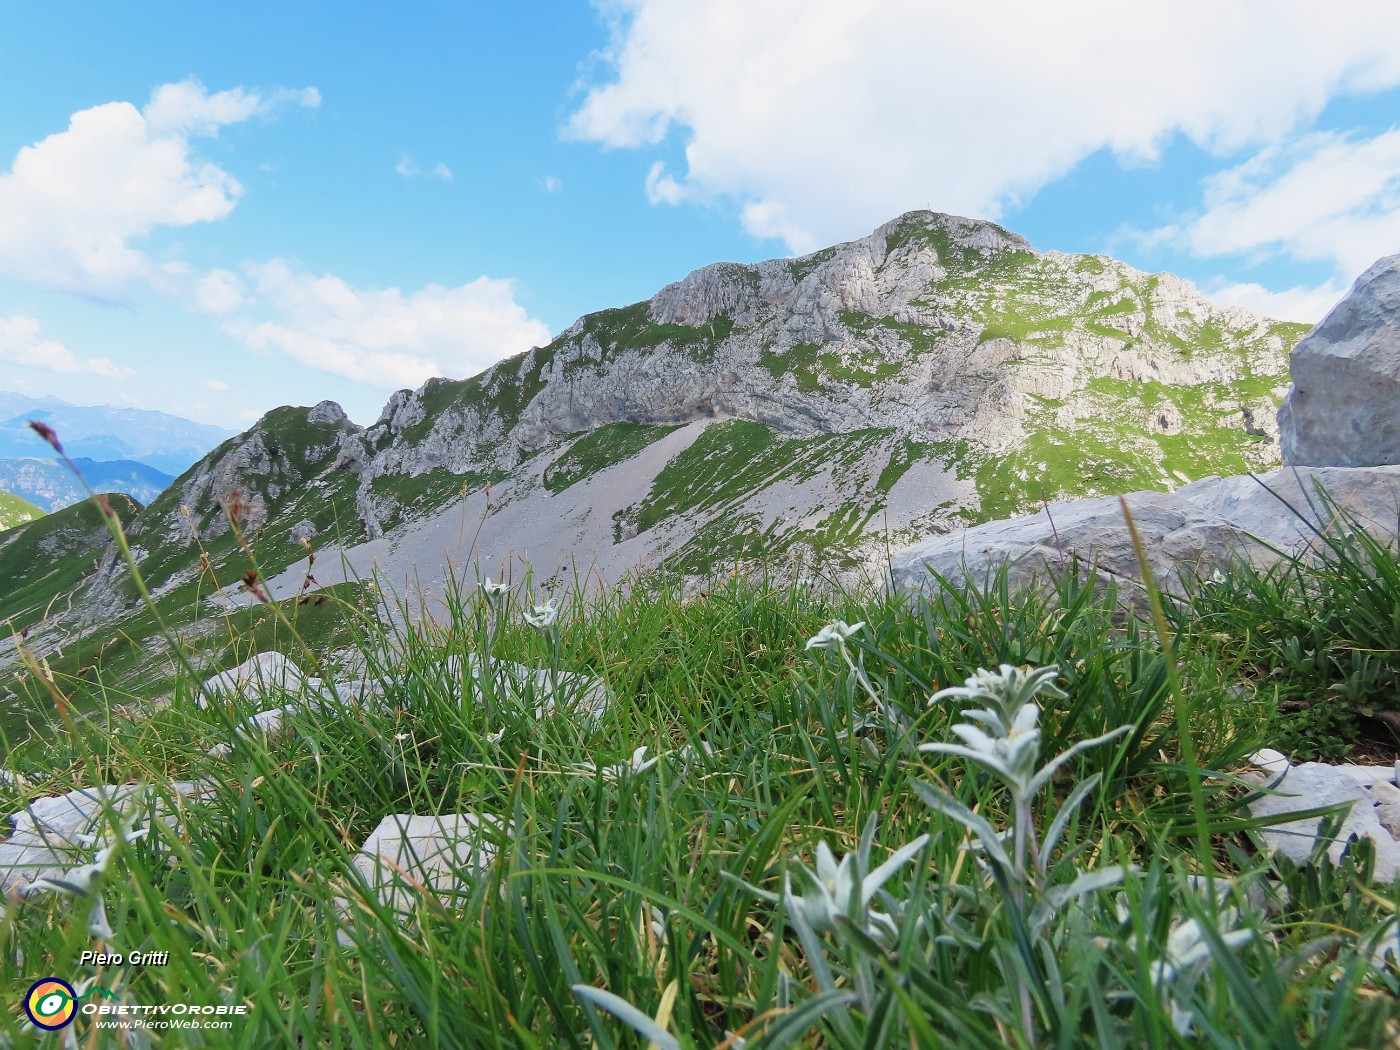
x,y
1366,797
408,855
1190,533
1343,409
56,833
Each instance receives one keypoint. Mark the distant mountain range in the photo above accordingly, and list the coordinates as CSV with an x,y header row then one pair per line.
x,y
51,486
129,450
103,433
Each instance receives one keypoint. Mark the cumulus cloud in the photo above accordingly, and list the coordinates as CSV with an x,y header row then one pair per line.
x,y
22,344
1302,304
71,204
218,292
1327,197
409,169
385,337
823,118
663,188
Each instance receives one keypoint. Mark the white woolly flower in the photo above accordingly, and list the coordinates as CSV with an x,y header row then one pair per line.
x,y
494,591
1005,690
1187,954
85,881
834,635
834,890
542,616
634,766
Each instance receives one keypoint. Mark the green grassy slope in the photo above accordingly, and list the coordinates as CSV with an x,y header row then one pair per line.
x,y
674,885
46,560
16,511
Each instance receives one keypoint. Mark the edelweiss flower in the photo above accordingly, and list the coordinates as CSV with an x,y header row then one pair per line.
x,y
1186,954
542,616
85,881
637,764
691,755
833,635
1011,756
1008,689
835,890
494,590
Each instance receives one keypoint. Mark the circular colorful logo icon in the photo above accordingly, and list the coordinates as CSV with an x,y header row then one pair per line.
x,y
50,1003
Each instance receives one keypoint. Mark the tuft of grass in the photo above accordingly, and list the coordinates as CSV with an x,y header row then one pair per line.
x,y
1316,631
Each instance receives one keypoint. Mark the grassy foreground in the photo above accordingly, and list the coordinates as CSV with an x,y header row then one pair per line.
x,y
795,868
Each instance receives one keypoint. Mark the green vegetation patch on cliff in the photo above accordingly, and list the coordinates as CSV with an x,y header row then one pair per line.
x,y
734,470
599,449
817,366
426,492
631,328
1126,438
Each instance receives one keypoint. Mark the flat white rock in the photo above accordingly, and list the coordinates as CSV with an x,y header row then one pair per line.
x,y
1312,785
408,855
266,672
52,834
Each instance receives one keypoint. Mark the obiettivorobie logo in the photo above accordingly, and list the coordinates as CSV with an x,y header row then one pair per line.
x,y
52,1004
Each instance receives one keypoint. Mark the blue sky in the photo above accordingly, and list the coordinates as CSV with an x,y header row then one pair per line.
x,y
216,210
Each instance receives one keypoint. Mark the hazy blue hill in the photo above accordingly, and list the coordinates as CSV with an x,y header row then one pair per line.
x,y
50,485
104,433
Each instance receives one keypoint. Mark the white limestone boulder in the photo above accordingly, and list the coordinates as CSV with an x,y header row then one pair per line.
x,y
1313,785
1343,408
407,857
261,674
55,833
1190,533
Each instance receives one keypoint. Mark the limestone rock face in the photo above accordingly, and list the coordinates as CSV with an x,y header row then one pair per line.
x,y
1192,532
959,373
1343,409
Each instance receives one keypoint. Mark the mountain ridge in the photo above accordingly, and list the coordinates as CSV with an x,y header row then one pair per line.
x,y
818,410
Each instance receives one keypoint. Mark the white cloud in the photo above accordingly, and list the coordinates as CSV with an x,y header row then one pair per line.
x,y
1326,197
409,169
385,337
214,384
21,344
663,188
218,292
72,203
551,183
823,118
1306,305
